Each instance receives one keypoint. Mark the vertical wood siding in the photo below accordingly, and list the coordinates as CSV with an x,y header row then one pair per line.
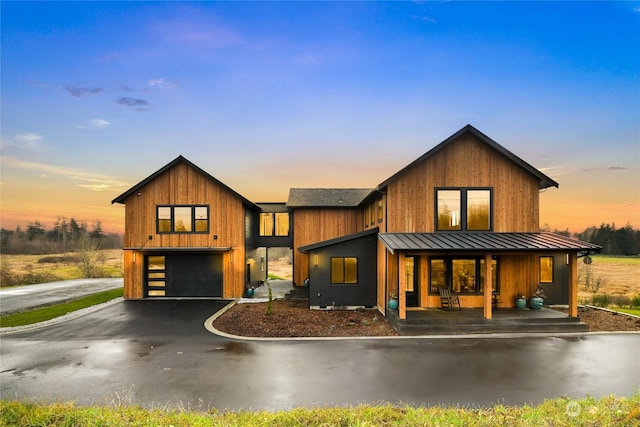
x,y
183,185
313,225
466,162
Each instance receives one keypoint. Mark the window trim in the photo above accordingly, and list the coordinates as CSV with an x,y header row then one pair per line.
x,y
172,217
463,208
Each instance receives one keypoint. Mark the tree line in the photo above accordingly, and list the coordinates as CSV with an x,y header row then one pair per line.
x,y
68,235
614,241
65,236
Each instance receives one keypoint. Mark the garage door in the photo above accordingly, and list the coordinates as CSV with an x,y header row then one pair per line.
x,y
184,275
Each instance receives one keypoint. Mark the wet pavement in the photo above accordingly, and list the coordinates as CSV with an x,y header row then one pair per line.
x,y
17,298
158,354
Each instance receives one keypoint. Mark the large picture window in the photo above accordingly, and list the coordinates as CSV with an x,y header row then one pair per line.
x,y
344,270
182,219
461,275
463,209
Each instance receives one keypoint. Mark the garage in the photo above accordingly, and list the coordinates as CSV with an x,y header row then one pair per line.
x,y
184,275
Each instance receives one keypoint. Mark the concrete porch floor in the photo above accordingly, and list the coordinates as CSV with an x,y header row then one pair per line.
x,y
471,320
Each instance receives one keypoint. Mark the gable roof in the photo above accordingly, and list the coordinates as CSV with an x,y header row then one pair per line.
x,y
543,180
494,242
180,159
327,197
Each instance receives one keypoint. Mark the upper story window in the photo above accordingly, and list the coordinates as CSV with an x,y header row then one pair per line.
x,y
463,209
182,219
373,213
274,224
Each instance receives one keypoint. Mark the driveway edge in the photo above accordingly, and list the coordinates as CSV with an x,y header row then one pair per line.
x,y
208,325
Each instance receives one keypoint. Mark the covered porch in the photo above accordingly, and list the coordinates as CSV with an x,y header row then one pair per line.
x,y
486,271
434,321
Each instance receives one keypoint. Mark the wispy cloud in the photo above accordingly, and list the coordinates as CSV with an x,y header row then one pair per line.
x,y
79,92
99,123
162,83
610,168
89,180
27,141
133,103
95,124
424,19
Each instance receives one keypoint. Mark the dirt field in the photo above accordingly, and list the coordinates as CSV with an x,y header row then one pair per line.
x,y
64,266
614,276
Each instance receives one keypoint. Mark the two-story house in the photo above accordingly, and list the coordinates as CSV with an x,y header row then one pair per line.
x,y
463,215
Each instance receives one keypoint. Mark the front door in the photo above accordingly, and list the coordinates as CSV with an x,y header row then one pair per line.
x,y
412,281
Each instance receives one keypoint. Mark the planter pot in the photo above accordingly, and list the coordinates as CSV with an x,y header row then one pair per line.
x,y
250,292
521,302
535,303
393,304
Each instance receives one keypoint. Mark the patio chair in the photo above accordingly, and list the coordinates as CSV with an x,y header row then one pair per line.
x,y
447,299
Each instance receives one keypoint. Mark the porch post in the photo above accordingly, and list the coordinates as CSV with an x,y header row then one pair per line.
x,y
488,280
402,287
573,284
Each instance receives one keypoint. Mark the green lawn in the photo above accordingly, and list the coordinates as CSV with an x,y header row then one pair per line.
x,y
50,312
635,311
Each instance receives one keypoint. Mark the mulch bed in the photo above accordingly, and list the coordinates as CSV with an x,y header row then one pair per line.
x,y
606,321
295,319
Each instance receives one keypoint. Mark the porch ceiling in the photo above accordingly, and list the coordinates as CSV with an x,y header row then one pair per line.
x,y
484,242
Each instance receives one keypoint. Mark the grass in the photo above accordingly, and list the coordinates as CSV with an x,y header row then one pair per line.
x,y
616,260
635,311
47,313
604,411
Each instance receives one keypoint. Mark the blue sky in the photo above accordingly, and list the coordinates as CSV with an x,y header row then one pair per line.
x,y
266,96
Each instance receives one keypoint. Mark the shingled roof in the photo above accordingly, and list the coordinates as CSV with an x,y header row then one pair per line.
x,y
327,197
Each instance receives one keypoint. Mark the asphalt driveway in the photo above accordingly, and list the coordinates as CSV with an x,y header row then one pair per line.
x,y
158,354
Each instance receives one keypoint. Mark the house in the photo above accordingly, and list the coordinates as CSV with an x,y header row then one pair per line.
x,y
462,216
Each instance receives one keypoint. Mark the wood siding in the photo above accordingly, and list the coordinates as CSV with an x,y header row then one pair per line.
x,y
184,185
466,162
313,225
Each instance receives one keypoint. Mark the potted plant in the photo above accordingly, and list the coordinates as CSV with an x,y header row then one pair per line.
x,y
250,291
393,301
537,299
521,301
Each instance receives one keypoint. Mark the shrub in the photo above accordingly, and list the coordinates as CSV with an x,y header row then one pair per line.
x,y
635,301
621,301
600,300
11,278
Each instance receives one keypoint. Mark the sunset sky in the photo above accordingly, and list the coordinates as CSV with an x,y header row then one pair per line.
x,y
96,96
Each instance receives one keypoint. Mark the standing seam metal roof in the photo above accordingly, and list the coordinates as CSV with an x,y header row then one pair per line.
x,y
461,241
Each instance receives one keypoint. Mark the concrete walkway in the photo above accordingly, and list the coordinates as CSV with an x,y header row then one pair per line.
x,y
279,288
